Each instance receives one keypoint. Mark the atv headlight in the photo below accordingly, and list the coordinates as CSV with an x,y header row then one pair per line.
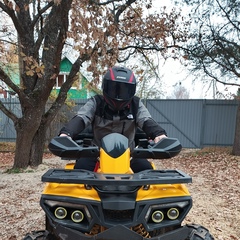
x,y
157,216
173,213
60,212
167,212
77,216
69,207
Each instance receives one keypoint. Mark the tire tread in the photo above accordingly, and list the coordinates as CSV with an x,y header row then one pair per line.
x,y
198,232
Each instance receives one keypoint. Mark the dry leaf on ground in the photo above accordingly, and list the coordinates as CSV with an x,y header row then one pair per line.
x,y
215,191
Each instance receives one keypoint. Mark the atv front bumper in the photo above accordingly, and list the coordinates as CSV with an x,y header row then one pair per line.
x,y
118,232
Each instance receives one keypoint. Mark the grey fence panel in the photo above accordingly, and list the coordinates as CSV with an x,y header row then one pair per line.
x,y
219,122
7,130
181,119
196,123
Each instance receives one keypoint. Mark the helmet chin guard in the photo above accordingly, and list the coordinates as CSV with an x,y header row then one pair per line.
x,y
116,105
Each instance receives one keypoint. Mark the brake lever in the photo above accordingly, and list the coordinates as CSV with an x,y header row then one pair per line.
x,y
151,143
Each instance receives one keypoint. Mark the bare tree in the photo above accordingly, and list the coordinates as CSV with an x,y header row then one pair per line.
x,y
179,92
214,48
147,67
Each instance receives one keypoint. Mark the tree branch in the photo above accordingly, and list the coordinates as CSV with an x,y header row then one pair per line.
x,y
217,79
40,12
11,13
122,8
8,113
227,16
5,78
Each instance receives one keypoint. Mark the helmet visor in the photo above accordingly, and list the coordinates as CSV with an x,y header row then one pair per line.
x,y
119,90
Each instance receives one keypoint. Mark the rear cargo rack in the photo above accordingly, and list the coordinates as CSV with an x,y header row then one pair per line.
x,y
147,177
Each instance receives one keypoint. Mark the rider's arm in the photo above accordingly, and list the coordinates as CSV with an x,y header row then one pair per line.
x,y
79,122
148,125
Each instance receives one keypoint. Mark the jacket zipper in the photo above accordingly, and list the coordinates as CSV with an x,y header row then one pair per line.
x,y
123,128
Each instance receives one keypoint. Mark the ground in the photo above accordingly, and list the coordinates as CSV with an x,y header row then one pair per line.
x,y
215,191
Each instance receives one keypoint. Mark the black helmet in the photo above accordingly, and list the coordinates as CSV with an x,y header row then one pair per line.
x,y
119,87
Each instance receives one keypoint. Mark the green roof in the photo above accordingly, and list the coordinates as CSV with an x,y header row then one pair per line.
x,y
12,70
65,65
74,93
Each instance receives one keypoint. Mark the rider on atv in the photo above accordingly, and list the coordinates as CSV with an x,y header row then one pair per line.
x,y
117,110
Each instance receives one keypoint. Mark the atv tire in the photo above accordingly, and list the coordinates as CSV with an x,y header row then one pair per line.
x,y
198,232
38,235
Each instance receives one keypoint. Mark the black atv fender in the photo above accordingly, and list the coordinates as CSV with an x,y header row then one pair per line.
x,y
118,232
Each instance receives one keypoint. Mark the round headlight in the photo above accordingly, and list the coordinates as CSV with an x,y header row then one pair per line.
x,y
173,213
60,213
77,216
157,216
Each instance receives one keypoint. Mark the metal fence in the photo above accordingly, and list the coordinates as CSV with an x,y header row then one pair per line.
x,y
196,123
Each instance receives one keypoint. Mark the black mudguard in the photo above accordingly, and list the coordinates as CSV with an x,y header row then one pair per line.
x,y
119,232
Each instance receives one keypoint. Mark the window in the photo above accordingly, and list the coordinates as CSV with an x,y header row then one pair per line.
x,y
61,79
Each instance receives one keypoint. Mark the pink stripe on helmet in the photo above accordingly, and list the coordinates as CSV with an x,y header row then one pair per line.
x,y
112,74
131,78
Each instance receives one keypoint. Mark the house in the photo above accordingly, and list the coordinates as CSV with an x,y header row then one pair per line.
x,y
79,90
12,70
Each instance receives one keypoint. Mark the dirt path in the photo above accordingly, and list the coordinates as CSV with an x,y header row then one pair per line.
x,y
215,191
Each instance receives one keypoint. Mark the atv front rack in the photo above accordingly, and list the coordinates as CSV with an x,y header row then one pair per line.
x,y
147,177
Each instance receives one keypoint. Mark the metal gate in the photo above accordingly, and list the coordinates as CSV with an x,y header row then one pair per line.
x,y
196,123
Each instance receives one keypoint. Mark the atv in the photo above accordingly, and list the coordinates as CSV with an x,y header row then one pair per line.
x,y
113,203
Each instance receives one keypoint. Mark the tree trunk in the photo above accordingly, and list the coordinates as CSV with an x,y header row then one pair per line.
x,y
39,139
26,129
24,139
236,144
37,147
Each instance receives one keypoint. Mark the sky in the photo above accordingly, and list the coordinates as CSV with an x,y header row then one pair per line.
x,y
173,72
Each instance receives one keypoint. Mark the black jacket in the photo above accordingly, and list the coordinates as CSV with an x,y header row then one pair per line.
x,y
104,121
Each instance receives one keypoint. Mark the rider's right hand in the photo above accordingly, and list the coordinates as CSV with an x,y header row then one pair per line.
x,y
64,135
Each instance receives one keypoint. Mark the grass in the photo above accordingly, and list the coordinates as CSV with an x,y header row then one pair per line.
x,y
18,170
14,170
7,146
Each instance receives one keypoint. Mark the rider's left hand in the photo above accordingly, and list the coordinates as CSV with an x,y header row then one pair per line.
x,y
158,138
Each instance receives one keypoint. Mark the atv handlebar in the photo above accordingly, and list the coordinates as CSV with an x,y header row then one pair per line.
x,y
165,148
65,147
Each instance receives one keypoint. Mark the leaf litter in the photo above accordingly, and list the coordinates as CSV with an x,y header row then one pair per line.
x,y
215,191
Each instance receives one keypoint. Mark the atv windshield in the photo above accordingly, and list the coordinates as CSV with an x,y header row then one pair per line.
x,y
114,144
